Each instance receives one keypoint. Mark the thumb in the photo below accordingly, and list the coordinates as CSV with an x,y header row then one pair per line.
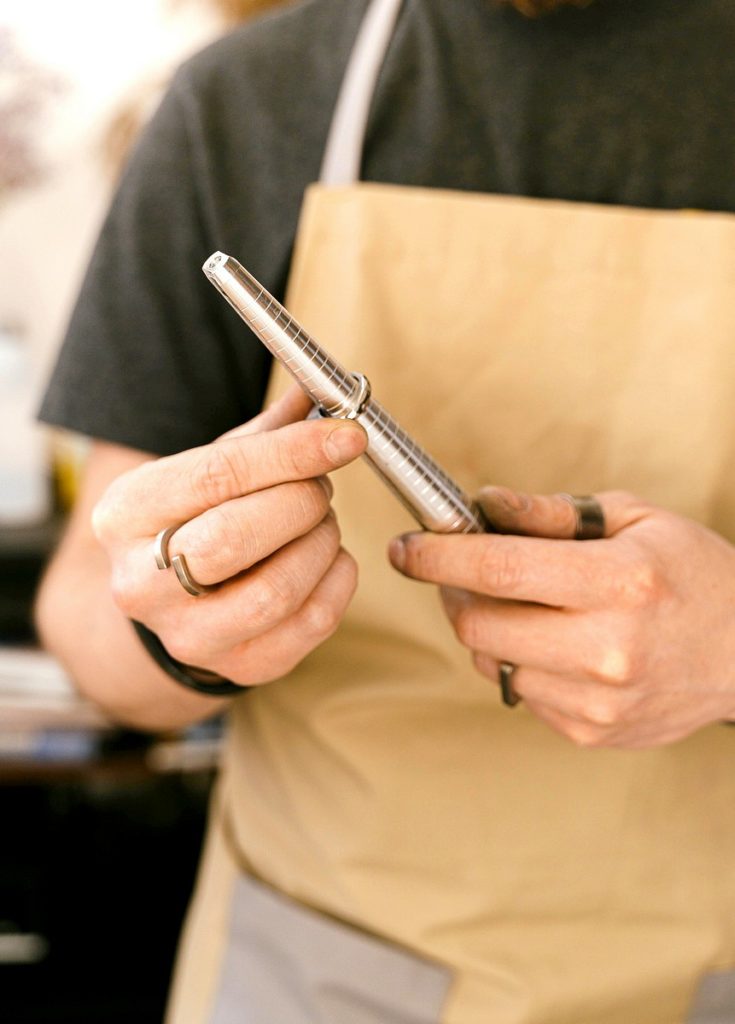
x,y
292,406
555,515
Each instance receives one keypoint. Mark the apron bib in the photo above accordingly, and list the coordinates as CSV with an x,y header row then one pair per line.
x,y
547,346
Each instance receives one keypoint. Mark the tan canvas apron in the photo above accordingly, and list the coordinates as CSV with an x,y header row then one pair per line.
x,y
548,346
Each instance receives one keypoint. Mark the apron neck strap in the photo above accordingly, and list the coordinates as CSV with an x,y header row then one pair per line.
x,y
343,151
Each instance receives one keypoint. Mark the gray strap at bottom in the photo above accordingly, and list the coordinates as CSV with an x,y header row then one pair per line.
x,y
287,964
714,1002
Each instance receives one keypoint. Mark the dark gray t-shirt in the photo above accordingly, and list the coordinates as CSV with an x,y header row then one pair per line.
x,y
627,102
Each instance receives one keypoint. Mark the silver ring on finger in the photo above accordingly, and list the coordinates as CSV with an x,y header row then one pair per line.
x,y
590,518
160,546
177,562
506,671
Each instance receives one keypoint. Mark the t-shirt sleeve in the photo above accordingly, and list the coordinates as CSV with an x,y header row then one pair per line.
x,y
152,358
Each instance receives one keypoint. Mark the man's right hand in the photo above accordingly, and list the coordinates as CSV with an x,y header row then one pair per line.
x,y
256,525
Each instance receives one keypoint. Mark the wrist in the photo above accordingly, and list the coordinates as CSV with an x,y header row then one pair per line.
x,y
199,679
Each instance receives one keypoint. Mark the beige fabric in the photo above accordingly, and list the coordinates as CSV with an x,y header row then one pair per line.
x,y
546,346
202,948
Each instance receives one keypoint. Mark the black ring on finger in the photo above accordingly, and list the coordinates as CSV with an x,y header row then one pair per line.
x,y
506,671
589,514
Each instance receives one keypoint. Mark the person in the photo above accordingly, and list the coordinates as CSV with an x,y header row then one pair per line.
x,y
520,229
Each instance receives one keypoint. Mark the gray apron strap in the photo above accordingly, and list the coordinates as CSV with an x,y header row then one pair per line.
x,y
343,151
714,1002
287,964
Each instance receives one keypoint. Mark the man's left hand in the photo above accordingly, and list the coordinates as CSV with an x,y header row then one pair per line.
x,y
626,641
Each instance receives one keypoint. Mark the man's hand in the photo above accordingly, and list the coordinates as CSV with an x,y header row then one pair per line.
x,y
628,641
257,525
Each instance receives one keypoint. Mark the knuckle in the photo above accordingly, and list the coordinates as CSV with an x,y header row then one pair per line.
x,y
585,735
219,474
106,514
601,709
641,585
302,507
184,647
614,666
269,601
311,501
618,659
220,538
102,520
322,618
293,454
206,539
125,594
498,569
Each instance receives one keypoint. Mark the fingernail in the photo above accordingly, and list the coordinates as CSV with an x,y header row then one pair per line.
x,y
397,553
326,483
345,443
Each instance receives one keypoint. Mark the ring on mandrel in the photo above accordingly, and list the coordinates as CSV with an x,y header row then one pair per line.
x,y
177,562
590,517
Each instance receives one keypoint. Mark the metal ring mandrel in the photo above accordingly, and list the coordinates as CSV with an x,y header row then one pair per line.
x,y
427,491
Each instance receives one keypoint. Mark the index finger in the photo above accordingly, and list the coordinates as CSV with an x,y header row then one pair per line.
x,y
179,487
555,515
558,573
293,405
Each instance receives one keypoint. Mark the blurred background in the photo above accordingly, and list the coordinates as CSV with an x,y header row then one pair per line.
x,y
101,827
